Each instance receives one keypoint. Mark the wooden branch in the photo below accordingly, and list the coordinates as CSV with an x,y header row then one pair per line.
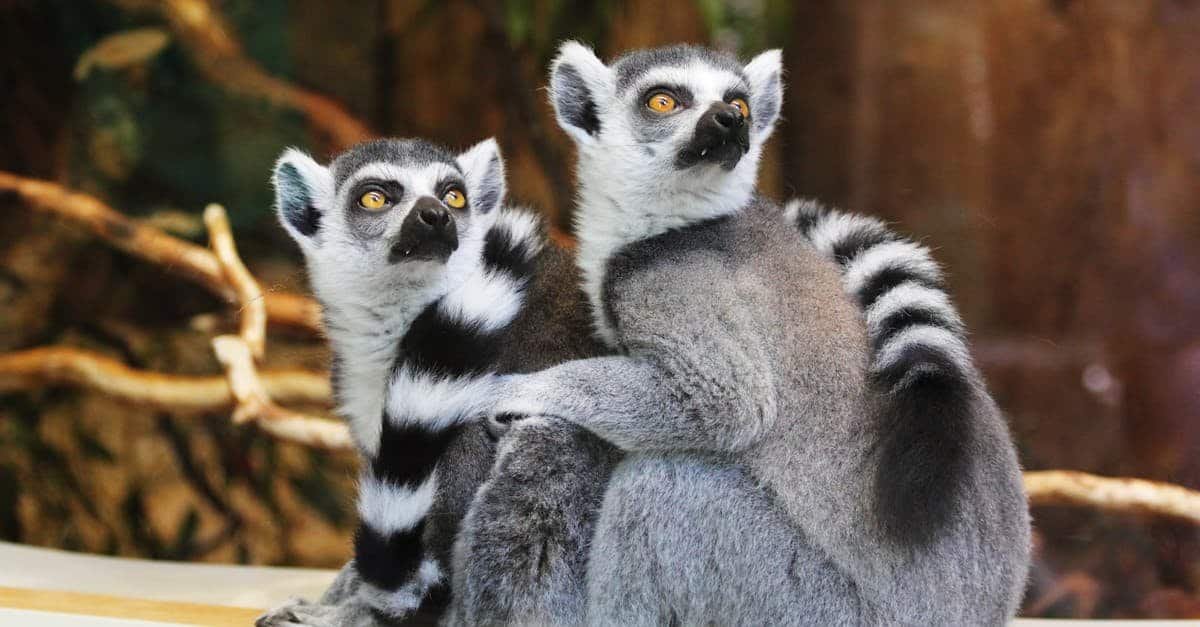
x,y
61,365
217,53
238,353
1067,487
189,260
254,403
252,313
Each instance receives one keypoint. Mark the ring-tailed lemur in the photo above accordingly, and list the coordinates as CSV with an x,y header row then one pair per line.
x,y
780,469
428,288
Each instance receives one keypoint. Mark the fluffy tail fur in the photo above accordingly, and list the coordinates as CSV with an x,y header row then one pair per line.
x,y
919,363
437,384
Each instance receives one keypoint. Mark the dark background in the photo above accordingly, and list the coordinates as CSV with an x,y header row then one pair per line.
x,y
1049,150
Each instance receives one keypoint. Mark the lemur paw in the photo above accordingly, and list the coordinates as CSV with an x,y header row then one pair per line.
x,y
512,403
294,611
299,612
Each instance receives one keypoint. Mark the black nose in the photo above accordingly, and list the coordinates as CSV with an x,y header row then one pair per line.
x,y
435,217
728,117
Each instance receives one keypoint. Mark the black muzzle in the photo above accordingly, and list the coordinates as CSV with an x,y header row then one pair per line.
x,y
722,136
428,233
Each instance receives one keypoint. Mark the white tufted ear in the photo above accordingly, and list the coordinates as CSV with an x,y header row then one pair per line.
x,y
302,188
578,81
766,92
483,168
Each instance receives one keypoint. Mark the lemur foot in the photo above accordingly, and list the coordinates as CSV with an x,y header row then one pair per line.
x,y
300,612
294,611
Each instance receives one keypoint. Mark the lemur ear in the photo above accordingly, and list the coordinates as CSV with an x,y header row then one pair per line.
x,y
578,79
766,91
302,187
484,169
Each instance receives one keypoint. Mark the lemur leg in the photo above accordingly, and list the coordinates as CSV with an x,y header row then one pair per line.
x,y
521,555
672,547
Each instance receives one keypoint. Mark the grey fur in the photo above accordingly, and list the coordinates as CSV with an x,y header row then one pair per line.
x,y
742,399
634,64
402,152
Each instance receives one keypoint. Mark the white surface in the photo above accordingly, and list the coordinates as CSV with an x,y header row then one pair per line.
x,y
29,618
238,586
214,584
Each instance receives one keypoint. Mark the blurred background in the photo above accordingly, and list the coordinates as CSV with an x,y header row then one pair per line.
x,y
1049,150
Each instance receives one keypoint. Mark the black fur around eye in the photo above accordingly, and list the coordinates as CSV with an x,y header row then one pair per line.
x,y
453,193
377,196
374,200
676,98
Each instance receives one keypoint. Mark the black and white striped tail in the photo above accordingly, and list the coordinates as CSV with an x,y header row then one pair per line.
x,y
919,359
438,383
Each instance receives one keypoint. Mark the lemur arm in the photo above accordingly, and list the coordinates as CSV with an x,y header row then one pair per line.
x,y
652,402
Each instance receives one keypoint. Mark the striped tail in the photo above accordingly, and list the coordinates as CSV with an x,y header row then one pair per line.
x,y
438,384
919,362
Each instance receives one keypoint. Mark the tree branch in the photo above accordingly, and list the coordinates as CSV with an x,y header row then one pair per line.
x,y
61,365
219,56
252,313
254,403
238,353
193,262
1068,487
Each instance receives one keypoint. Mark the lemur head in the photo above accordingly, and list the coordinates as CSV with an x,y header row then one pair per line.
x,y
663,120
387,217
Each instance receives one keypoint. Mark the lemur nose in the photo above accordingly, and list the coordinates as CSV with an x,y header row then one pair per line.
x,y
434,217
728,119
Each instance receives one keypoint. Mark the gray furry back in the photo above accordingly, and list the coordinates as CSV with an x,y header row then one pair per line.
x,y
790,532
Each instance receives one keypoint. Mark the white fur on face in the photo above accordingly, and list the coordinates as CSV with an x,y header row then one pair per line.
x,y
631,191
370,303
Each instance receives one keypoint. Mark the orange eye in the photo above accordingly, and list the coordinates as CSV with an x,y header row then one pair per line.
x,y
455,199
741,105
662,102
373,200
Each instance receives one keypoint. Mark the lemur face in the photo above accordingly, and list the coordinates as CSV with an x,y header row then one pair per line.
x,y
386,214
680,112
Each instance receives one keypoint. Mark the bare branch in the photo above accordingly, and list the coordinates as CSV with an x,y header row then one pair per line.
x,y
218,54
61,365
254,403
253,313
193,262
238,353
1068,487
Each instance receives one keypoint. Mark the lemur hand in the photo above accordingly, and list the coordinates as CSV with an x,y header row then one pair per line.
x,y
513,400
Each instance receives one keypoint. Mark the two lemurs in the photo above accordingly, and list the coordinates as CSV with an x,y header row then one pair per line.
x,y
774,467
